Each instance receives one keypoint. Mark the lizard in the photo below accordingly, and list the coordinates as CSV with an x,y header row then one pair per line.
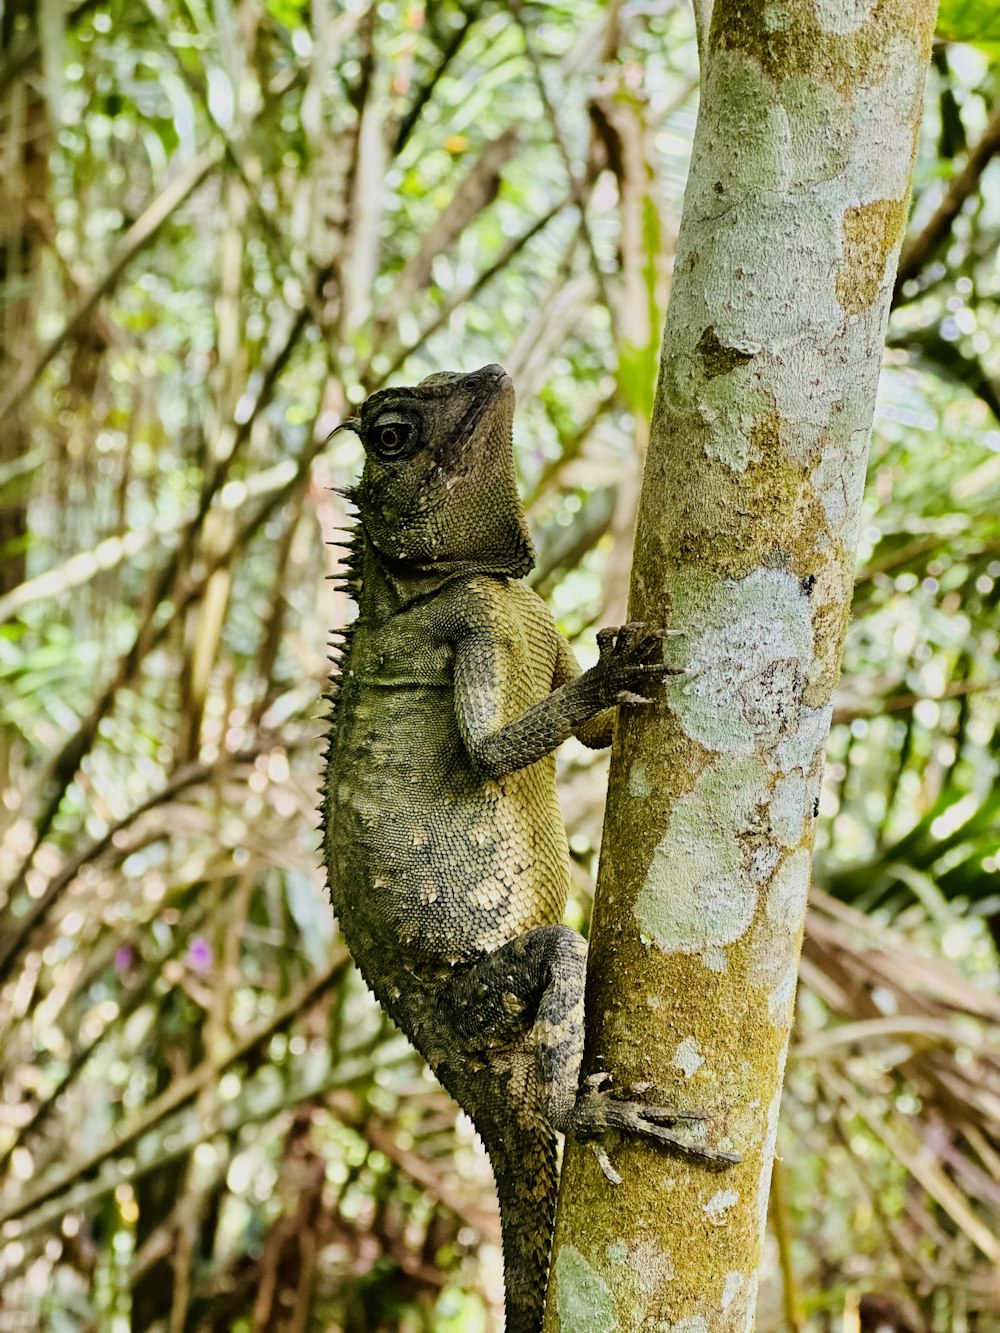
x,y
445,849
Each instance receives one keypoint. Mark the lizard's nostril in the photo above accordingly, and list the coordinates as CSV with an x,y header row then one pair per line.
x,y
492,371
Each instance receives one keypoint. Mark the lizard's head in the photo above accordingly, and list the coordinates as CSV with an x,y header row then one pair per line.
x,y
439,487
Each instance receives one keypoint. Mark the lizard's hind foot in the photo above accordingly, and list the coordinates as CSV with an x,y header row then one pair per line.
x,y
598,1109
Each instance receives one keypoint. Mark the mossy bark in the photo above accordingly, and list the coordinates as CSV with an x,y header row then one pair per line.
x,y
746,539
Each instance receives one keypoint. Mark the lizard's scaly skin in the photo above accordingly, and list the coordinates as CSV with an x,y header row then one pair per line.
x,y
444,843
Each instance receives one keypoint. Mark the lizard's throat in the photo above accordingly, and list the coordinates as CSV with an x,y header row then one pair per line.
x,y
408,580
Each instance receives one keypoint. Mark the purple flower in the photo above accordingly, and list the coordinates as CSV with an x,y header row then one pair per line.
x,y
124,958
199,955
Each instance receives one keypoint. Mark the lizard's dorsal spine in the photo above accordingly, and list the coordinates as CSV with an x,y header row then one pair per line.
x,y
347,580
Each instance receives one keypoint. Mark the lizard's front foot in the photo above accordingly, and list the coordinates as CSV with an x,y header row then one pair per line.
x,y
599,1110
631,663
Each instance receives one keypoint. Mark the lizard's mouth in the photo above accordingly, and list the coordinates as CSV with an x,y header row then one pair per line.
x,y
490,382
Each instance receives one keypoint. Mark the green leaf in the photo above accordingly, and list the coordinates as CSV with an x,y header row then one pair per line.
x,y
637,376
976,21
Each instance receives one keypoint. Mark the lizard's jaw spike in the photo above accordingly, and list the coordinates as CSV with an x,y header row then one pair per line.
x,y
349,423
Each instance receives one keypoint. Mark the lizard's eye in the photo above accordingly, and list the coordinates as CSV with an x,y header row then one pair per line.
x,y
392,438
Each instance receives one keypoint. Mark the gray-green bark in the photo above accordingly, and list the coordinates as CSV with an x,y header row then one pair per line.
x,y
748,523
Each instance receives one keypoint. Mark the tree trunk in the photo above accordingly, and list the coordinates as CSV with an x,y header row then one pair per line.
x,y
747,530
24,177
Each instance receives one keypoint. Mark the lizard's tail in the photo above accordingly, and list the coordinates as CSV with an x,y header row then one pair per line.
x,y
525,1167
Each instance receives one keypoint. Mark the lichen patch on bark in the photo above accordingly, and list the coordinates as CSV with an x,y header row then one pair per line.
x,y
731,1288
842,16
768,1145
747,641
698,892
774,940
719,1205
688,1057
788,809
789,891
695,1324
582,1298
803,748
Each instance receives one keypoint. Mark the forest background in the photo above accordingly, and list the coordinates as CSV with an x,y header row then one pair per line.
x,y
222,224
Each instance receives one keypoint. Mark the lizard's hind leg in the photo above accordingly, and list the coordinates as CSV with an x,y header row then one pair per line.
x,y
509,1029
522,1006
516,1023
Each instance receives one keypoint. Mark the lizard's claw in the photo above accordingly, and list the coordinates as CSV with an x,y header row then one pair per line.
x,y
604,1162
631,662
599,1110
645,1121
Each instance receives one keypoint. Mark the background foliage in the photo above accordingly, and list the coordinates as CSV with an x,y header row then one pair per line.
x,y
224,221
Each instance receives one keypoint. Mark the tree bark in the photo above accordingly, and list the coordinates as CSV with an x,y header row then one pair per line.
x,y
747,529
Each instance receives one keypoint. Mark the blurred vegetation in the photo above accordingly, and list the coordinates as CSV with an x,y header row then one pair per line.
x,y
222,222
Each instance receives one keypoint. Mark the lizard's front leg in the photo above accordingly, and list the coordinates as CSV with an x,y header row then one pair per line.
x,y
630,665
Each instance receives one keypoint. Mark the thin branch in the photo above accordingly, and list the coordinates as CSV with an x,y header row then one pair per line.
x,y
577,183
781,1227
951,363
571,449
65,766
467,294
273,225
921,249
22,928
138,236
426,89
902,555
181,1092
419,1169
190,775
80,1057
80,568
904,1145
25,53
476,190
228,1119
905,703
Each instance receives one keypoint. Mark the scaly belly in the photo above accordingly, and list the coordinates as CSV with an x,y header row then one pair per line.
x,y
425,854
